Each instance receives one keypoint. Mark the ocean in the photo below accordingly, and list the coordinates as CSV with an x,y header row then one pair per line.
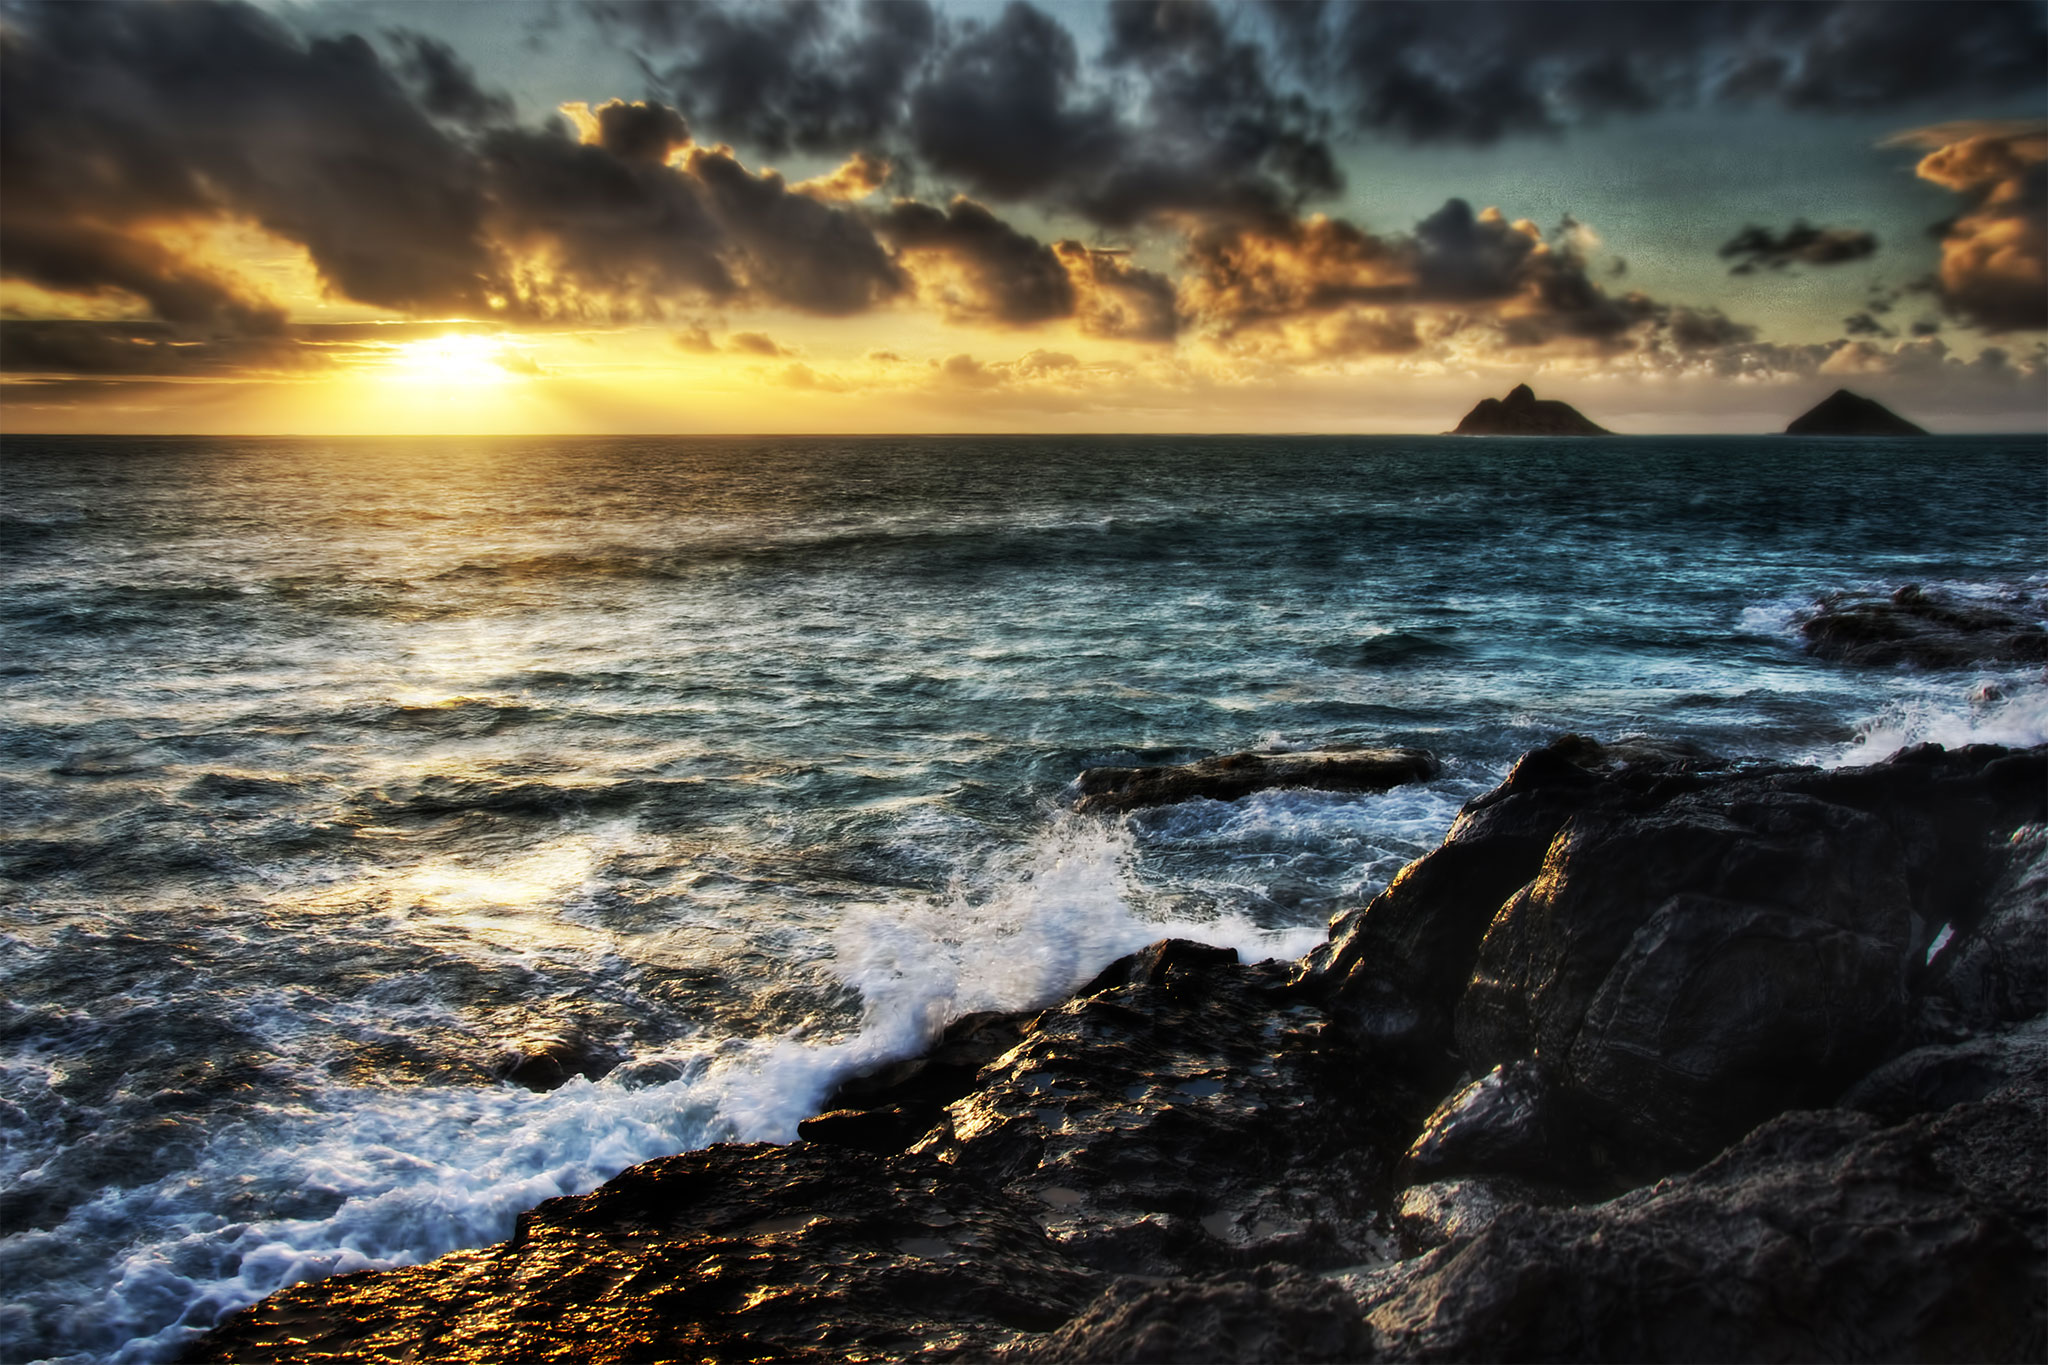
x,y
347,784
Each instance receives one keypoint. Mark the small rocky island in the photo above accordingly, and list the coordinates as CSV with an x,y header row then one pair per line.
x,y
1659,1056
1522,413
1843,413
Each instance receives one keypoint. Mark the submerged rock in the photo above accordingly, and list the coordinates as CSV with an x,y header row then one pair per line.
x,y
1921,628
1226,778
1843,413
1522,413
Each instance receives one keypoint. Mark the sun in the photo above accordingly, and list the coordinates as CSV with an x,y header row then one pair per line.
x,y
458,360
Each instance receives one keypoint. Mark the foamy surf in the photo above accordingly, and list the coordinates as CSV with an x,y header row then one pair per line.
x,y
416,1173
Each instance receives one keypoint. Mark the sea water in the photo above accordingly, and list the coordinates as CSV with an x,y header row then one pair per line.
x,y
337,776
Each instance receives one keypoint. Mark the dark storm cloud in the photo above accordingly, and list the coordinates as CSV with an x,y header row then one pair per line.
x,y
118,116
87,347
994,272
1005,113
124,125
1801,244
805,75
446,86
637,220
1007,108
1480,71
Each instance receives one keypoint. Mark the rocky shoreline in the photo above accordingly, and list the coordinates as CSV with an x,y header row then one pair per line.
x,y
1658,1056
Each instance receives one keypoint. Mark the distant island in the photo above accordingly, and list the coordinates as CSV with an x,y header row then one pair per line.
x,y
1843,413
1522,413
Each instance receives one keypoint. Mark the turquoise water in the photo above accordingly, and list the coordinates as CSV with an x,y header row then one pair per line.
x,y
339,774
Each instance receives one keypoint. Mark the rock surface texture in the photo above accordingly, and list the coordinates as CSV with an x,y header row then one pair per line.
x,y
1522,413
1657,1057
1925,630
1843,413
1230,776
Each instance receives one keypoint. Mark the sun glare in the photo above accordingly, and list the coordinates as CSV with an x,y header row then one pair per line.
x,y
457,360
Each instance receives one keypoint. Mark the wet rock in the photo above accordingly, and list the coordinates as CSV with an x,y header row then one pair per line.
x,y
1516,1119
1996,972
868,1130
1392,972
1265,1318
1186,1115
1197,1158
1923,629
1738,950
1430,1215
1522,413
729,1253
1821,1236
1930,1079
552,1061
1843,413
1226,778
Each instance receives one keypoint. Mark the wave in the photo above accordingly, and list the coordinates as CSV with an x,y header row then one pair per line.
x,y
381,1177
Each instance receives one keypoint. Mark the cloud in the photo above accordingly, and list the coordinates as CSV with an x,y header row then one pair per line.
x,y
857,178
1994,254
1503,278
1004,111
635,220
1701,329
122,117
755,343
696,339
447,88
798,75
977,267
801,376
1115,298
1802,244
1481,71
83,348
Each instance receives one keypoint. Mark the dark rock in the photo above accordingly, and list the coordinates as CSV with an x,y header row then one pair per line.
x,y
1430,1215
1996,972
1190,1118
1940,1076
902,1100
1821,1236
551,1062
729,1253
1196,1158
1522,413
881,1131
1392,972
1267,1318
1230,776
1186,1116
1923,629
1514,1120
1843,413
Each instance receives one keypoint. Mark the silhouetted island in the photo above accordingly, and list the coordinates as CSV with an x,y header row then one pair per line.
x,y
1522,413
1843,413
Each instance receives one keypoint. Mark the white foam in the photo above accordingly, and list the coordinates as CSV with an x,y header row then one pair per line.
x,y
419,1172
2008,710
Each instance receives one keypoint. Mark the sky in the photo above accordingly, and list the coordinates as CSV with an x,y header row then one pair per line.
x,y
478,216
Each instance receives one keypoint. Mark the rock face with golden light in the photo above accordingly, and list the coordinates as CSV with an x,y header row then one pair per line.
x,y
1522,413
1764,1077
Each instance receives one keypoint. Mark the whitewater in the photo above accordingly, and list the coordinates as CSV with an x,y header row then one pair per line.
x,y
356,791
